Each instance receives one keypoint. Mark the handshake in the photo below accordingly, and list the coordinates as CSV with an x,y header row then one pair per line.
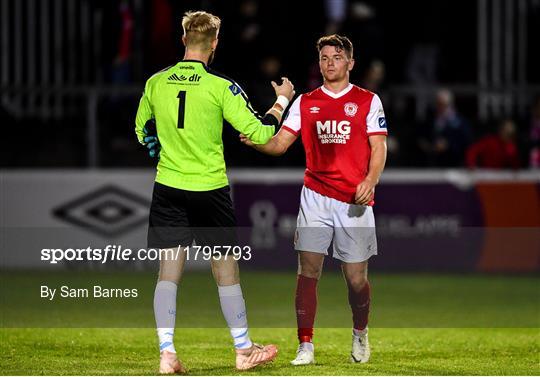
x,y
284,93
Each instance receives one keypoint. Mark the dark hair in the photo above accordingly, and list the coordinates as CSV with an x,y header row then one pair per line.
x,y
338,41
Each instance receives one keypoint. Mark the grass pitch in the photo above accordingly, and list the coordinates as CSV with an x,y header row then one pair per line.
x,y
208,352
420,325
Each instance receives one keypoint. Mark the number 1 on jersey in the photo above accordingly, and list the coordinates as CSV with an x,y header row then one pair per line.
x,y
181,106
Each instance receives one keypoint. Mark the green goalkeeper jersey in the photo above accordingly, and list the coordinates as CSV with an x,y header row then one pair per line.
x,y
189,102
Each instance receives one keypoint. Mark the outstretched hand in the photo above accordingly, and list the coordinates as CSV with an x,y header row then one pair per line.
x,y
285,89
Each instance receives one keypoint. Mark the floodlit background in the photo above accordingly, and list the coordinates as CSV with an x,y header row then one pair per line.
x,y
72,72
457,209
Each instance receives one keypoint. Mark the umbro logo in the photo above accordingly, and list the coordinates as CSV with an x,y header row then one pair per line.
x,y
108,211
193,78
314,110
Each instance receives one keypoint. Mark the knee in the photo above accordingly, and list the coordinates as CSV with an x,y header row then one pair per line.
x,y
226,273
357,283
310,271
173,278
170,274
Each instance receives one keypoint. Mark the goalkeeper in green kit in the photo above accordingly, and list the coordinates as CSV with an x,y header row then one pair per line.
x,y
180,120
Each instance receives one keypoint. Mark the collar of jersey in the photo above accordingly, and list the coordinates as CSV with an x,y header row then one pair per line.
x,y
193,61
337,95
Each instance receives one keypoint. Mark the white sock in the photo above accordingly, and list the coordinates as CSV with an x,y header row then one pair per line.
x,y
358,333
233,307
308,346
165,313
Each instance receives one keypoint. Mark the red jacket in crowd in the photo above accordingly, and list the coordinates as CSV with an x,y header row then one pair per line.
x,y
493,152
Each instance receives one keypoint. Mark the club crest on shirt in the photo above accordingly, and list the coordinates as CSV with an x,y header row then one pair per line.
x,y
350,109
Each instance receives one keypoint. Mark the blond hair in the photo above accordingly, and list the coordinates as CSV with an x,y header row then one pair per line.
x,y
200,28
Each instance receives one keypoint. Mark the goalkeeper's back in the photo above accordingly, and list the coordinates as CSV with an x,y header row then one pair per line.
x,y
189,102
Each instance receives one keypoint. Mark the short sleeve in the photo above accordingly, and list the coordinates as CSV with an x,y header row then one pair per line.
x,y
376,121
293,119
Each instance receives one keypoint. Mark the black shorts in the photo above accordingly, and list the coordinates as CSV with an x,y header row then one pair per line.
x,y
177,217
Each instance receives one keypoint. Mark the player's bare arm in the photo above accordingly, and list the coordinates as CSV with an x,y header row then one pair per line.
x,y
277,146
366,189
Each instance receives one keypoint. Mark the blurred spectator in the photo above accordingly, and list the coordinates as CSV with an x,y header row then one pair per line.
x,y
373,81
534,154
163,44
314,77
251,27
245,37
447,135
260,91
496,151
374,76
116,52
364,29
336,11
421,65
121,69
